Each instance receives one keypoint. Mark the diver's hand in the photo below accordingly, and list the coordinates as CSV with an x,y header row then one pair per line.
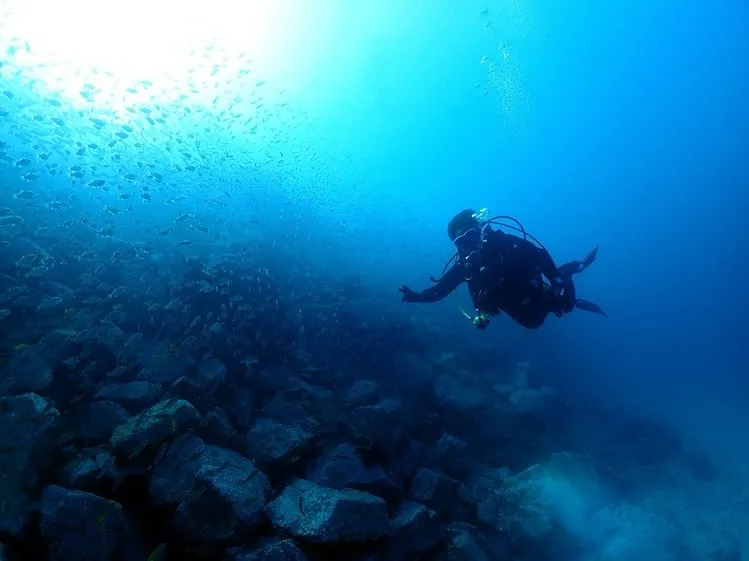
x,y
409,296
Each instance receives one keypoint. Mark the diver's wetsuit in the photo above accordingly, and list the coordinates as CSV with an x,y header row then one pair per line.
x,y
506,274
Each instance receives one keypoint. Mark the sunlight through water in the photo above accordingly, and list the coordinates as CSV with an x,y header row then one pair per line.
x,y
87,50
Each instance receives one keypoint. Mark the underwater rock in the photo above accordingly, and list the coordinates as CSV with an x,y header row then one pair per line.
x,y
338,468
540,500
405,465
453,395
317,514
216,428
173,476
482,482
78,525
363,392
381,424
284,550
154,426
188,390
632,532
96,421
27,373
300,391
208,372
381,484
434,489
410,372
452,456
239,405
274,445
512,380
341,468
415,530
515,505
461,545
133,396
26,451
162,370
545,500
529,401
290,412
225,503
270,380
90,470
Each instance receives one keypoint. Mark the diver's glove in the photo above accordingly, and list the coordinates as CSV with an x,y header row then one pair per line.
x,y
409,296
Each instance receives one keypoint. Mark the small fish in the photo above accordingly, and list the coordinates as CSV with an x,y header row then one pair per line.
x,y
65,437
160,453
4,313
159,554
42,424
139,449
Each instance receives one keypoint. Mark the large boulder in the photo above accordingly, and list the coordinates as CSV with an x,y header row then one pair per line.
x,y
173,476
27,444
410,372
562,492
216,428
452,456
274,445
95,422
461,545
457,397
27,372
208,373
239,405
317,514
284,550
341,468
225,503
154,427
629,532
90,470
414,531
133,396
78,525
380,425
532,401
363,392
435,489
403,467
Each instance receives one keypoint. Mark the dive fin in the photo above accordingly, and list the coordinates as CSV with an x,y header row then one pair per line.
x,y
589,259
587,306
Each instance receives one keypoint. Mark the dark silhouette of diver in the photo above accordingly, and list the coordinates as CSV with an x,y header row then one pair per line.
x,y
505,273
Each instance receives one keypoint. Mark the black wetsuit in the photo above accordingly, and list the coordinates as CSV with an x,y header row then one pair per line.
x,y
506,274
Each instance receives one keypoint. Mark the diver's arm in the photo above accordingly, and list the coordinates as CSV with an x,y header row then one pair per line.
x,y
444,286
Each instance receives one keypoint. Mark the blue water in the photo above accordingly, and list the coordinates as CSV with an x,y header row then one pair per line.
x,y
341,154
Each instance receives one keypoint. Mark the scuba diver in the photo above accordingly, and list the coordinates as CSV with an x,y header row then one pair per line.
x,y
505,273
